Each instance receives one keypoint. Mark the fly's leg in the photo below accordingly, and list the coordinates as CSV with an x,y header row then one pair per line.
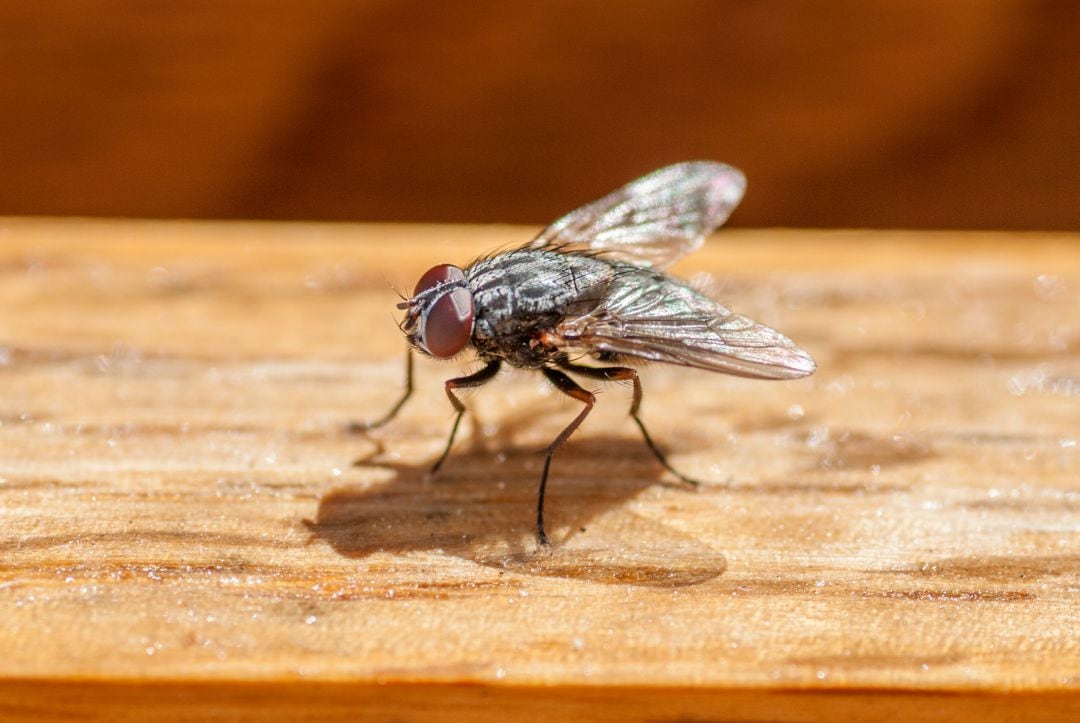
x,y
358,427
622,374
473,380
569,387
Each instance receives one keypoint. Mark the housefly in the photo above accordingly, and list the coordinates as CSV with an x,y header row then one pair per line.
x,y
592,286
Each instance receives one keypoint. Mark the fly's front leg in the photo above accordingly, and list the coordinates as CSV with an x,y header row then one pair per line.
x,y
623,374
358,427
473,380
569,387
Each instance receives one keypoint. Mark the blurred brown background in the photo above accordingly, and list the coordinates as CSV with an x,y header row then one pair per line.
x,y
910,113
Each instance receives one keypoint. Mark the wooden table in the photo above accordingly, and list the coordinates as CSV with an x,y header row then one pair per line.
x,y
189,533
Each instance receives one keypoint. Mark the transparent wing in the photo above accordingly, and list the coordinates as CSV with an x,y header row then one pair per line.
x,y
653,221
650,316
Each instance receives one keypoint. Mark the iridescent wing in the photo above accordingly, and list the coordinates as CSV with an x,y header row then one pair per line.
x,y
654,317
653,221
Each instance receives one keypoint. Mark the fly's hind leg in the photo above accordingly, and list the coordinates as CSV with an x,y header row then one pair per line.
x,y
623,374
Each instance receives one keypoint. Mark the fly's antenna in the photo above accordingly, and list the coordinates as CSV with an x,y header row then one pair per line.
x,y
390,285
405,302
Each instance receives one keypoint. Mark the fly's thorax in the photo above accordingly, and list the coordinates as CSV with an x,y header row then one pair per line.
x,y
440,314
521,298
521,289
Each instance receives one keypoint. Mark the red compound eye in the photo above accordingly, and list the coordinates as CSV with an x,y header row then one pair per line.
x,y
441,274
446,325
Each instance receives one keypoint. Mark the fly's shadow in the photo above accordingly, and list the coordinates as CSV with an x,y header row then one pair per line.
x,y
481,508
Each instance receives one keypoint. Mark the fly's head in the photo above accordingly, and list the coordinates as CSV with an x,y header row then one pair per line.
x,y
439,316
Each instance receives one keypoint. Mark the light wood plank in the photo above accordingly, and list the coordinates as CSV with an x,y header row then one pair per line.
x,y
185,530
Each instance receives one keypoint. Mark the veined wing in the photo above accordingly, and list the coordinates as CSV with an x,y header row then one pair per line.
x,y
651,316
653,221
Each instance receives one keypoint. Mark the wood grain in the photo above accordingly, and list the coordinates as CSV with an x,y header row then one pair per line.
x,y
188,531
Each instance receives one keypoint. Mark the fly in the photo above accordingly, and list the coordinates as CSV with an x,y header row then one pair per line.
x,y
592,285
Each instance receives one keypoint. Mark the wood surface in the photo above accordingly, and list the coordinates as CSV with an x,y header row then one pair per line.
x,y
189,533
